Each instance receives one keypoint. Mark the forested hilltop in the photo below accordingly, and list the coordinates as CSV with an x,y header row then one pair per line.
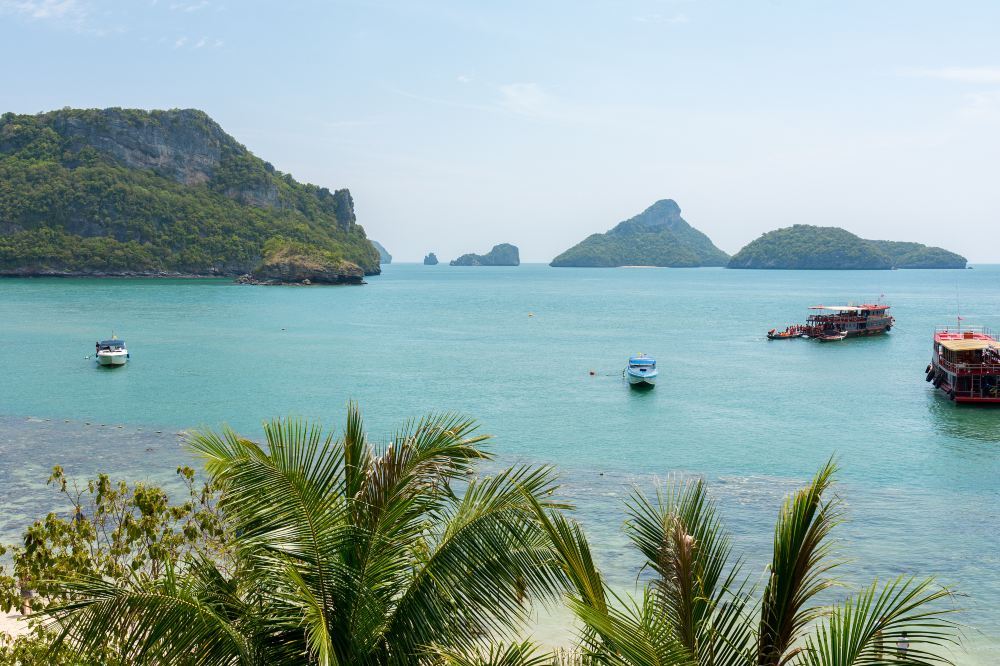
x,y
804,246
126,191
658,236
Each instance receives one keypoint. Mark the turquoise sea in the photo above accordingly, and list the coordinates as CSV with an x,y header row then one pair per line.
x,y
755,418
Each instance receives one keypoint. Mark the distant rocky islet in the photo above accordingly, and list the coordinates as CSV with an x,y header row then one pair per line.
x,y
503,254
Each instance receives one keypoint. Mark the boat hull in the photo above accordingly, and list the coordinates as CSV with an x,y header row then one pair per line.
x,y
112,359
647,380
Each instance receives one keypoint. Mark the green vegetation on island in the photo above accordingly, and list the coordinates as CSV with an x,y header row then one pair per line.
x,y
431,259
804,246
383,254
918,255
658,236
503,254
125,191
323,548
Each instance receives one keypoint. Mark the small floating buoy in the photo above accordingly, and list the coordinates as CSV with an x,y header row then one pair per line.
x,y
531,314
121,426
592,373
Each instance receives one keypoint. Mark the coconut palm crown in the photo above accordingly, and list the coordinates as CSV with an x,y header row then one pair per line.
x,y
699,609
345,552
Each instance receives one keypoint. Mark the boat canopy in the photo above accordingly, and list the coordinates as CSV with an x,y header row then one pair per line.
x,y
112,343
970,344
641,360
849,308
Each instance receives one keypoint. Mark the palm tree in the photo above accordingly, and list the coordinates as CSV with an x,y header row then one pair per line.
x,y
699,609
345,552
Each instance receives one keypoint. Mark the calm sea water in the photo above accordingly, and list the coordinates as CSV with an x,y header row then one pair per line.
x,y
754,418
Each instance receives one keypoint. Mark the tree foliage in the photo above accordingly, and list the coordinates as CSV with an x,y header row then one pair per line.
x,y
804,246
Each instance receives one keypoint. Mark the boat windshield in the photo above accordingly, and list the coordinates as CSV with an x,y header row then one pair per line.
x,y
112,344
641,362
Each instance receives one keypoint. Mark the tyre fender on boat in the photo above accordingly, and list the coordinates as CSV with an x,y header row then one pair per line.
x,y
938,381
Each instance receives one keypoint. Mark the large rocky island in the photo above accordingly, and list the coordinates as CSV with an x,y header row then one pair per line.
x,y
431,259
130,192
804,246
503,254
658,236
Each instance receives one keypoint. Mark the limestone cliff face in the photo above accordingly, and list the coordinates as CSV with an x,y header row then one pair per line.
x,y
183,144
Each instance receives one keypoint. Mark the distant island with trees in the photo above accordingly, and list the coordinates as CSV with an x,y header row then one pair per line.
x,y
658,236
503,254
804,246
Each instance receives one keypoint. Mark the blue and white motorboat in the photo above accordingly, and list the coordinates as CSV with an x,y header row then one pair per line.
x,y
641,371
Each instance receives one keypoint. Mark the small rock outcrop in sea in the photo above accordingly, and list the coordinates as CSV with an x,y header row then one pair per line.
x,y
431,259
503,254
154,192
658,236
808,247
383,254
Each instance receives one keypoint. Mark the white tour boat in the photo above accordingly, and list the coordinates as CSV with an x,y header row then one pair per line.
x,y
111,352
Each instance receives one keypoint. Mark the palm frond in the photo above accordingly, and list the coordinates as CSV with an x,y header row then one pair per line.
x,y
683,541
489,557
864,630
150,622
630,634
799,568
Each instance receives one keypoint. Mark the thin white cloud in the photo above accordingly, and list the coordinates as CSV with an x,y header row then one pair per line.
x,y
463,79
181,41
527,99
201,42
959,74
189,7
44,9
981,106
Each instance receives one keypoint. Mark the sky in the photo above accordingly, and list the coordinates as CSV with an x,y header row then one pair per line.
x,y
459,125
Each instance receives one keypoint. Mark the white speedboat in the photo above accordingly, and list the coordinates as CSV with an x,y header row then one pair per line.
x,y
111,352
641,371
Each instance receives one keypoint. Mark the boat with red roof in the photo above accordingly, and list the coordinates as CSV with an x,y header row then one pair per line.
x,y
965,364
836,322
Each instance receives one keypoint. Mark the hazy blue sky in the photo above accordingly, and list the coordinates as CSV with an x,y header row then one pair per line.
x,y
458,125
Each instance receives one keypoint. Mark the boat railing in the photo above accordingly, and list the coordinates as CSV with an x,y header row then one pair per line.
x,y
975,330
971,368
